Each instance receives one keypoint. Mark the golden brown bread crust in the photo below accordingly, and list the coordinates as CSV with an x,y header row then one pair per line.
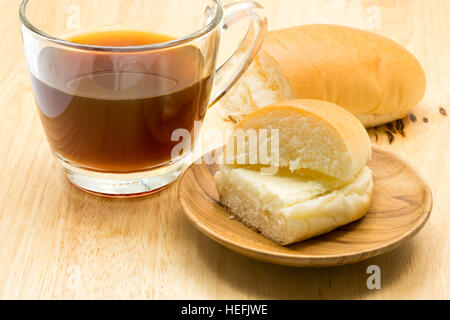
x,y
363,72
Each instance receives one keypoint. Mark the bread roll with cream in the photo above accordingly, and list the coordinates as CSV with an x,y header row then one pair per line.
x,y
371,76
322,181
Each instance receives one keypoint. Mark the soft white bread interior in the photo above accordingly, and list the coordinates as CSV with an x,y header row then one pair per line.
x,y
266,203
322,181
314,136
371,76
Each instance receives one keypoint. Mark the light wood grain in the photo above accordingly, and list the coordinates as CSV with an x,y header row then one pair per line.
x,y
145,248
401,205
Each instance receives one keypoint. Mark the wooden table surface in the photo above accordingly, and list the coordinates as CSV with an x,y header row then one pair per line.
x,y
57,242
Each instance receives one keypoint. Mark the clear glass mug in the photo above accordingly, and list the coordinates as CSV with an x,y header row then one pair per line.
x,y
108,112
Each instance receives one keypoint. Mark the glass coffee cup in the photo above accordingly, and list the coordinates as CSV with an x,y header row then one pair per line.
x,y
114,79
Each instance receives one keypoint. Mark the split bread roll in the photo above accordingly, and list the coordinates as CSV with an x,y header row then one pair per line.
x,y
258,204
371,76
322,181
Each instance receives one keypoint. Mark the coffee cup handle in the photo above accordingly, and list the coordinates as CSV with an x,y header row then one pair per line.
x,y
230,72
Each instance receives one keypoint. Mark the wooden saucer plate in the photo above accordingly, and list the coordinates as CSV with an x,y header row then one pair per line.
x,y
401,205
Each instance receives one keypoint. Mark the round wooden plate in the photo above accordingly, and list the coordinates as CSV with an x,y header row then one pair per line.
x,y
401,206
